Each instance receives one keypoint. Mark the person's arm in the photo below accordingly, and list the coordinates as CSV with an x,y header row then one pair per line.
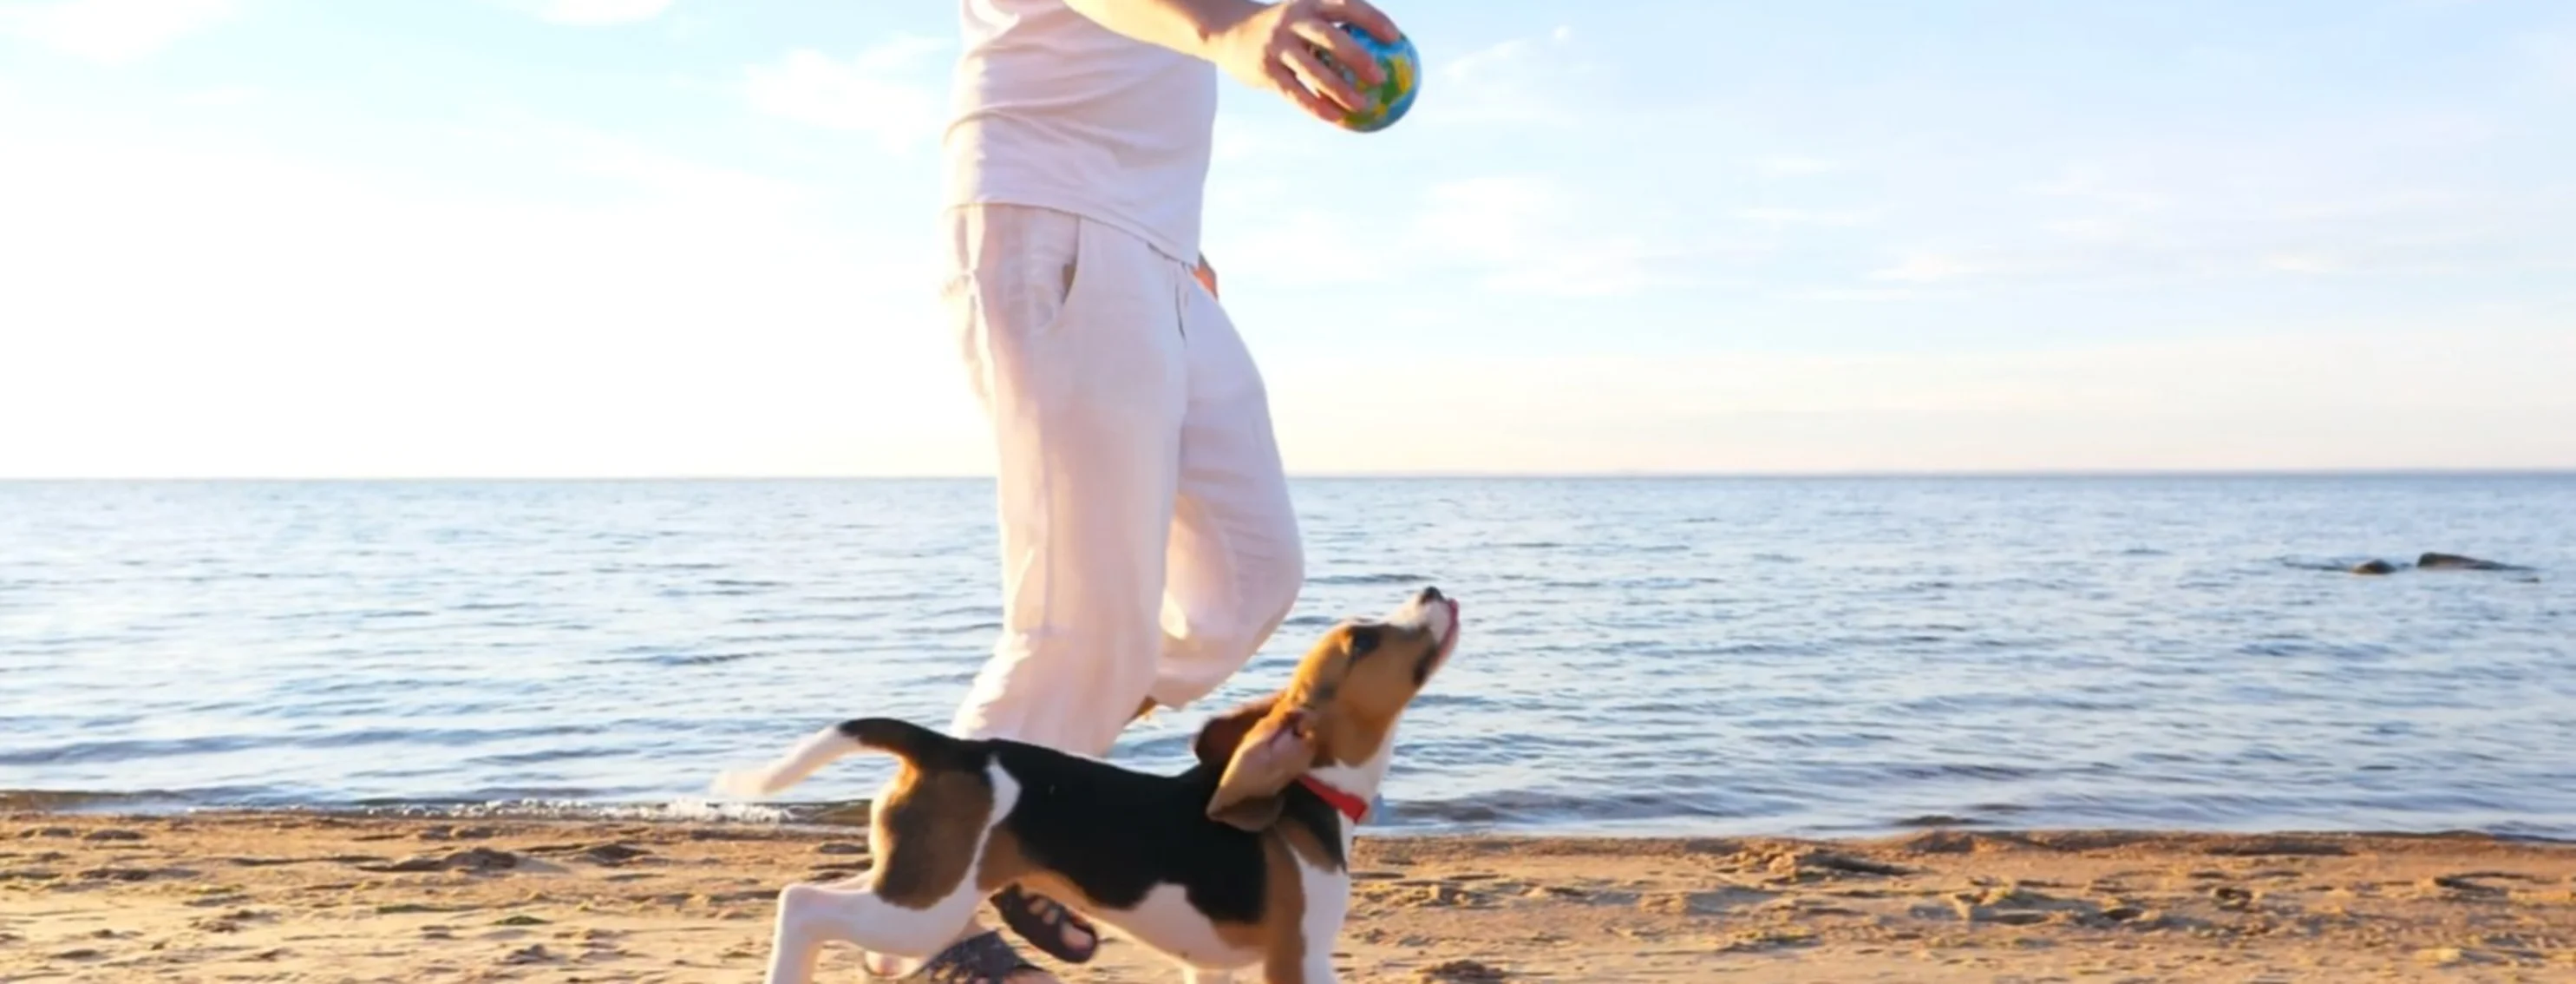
x,y
1190,27
1263,45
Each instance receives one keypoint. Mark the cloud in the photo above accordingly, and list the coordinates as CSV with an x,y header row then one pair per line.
x,y
1528,234
113,32
1520,82
1803,217
2301,263
593,13
1794,166
678,317
1491,60
228,95
2356,397
1519,234
673,181
1927,268
876,91
2553,58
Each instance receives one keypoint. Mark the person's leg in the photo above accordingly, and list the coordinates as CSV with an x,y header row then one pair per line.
x,y
1069,332
1235,564
1073,343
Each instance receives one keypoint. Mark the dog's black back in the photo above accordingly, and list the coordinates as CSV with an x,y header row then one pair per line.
x,y
1117,833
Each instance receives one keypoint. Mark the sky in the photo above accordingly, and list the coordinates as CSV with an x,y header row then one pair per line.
x,y
286,238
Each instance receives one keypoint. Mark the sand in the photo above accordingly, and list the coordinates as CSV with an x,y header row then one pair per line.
x,y
267,897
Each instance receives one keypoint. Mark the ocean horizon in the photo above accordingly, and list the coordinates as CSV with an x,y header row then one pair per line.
x,y
1653,653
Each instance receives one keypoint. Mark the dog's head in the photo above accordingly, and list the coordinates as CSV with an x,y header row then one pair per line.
x,y
1339,709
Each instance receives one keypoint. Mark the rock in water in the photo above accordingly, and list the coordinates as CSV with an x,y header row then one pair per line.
x,y
2374,567
2455,562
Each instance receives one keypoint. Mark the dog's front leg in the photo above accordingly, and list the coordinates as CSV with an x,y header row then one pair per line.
x,y
1317,969
1311,962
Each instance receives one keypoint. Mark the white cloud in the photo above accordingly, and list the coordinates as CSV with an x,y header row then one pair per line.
x,y
229,95
2301,263
309,319
593,13
1793,166
1495,59
1520,82
2355,397
2553,57
1526,234
114,32
2098,185
879,91
1803,217
1512,234
1926,268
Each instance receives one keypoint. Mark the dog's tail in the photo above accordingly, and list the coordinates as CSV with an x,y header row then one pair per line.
x,y
903,739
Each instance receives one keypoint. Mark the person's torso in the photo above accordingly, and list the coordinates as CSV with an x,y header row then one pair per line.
x,y
1051,109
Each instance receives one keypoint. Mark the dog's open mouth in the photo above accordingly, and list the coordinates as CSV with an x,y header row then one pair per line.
x,y
1447,631
1449,640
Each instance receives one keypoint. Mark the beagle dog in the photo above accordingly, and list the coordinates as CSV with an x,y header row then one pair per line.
x,y
1239,863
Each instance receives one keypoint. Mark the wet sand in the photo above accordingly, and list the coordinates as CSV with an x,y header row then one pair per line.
x,y
284,897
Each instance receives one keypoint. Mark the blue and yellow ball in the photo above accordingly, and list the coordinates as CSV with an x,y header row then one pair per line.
x,y
1389,99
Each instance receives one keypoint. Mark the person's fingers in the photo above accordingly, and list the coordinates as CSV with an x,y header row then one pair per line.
x,y
1344,48
1285,80
1321,79
1365,15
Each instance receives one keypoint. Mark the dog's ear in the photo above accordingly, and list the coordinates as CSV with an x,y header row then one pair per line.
x,y
1222,734
1270,750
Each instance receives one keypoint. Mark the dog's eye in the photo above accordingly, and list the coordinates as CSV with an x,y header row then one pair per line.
x,y
1363,639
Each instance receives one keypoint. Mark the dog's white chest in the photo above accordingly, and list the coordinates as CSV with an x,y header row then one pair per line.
x,y
1167,922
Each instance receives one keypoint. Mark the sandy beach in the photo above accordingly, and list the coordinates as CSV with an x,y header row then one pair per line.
x,y
271,897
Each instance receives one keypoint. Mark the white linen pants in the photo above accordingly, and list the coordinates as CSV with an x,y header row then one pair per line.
x,y
1148,548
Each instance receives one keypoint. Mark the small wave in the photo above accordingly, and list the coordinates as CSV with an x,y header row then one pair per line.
x,y
2320,563
689,659
1345,580
77,753
133,749
1937,820
1527,808
679,810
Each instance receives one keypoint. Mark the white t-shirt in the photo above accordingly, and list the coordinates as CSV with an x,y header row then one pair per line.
x,y
1051,109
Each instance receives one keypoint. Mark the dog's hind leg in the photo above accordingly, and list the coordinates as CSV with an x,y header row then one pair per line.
x,y
810,916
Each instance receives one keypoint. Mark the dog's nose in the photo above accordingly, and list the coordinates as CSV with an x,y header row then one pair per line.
x,y
1428,596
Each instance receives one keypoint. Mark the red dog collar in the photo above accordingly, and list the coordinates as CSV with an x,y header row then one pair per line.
x,y
1349,805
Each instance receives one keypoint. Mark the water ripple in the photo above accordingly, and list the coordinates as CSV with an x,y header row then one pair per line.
x,y
1649,655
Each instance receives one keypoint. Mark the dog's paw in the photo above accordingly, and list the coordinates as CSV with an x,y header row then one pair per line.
x,y
888,965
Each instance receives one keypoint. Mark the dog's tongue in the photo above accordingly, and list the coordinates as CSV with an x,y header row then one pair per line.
x,y
1457,626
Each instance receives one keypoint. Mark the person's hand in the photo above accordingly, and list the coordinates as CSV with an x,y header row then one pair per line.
x,y
1274,49
1206,274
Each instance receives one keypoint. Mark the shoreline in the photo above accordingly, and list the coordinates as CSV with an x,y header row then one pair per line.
x,y
307,896
851,815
